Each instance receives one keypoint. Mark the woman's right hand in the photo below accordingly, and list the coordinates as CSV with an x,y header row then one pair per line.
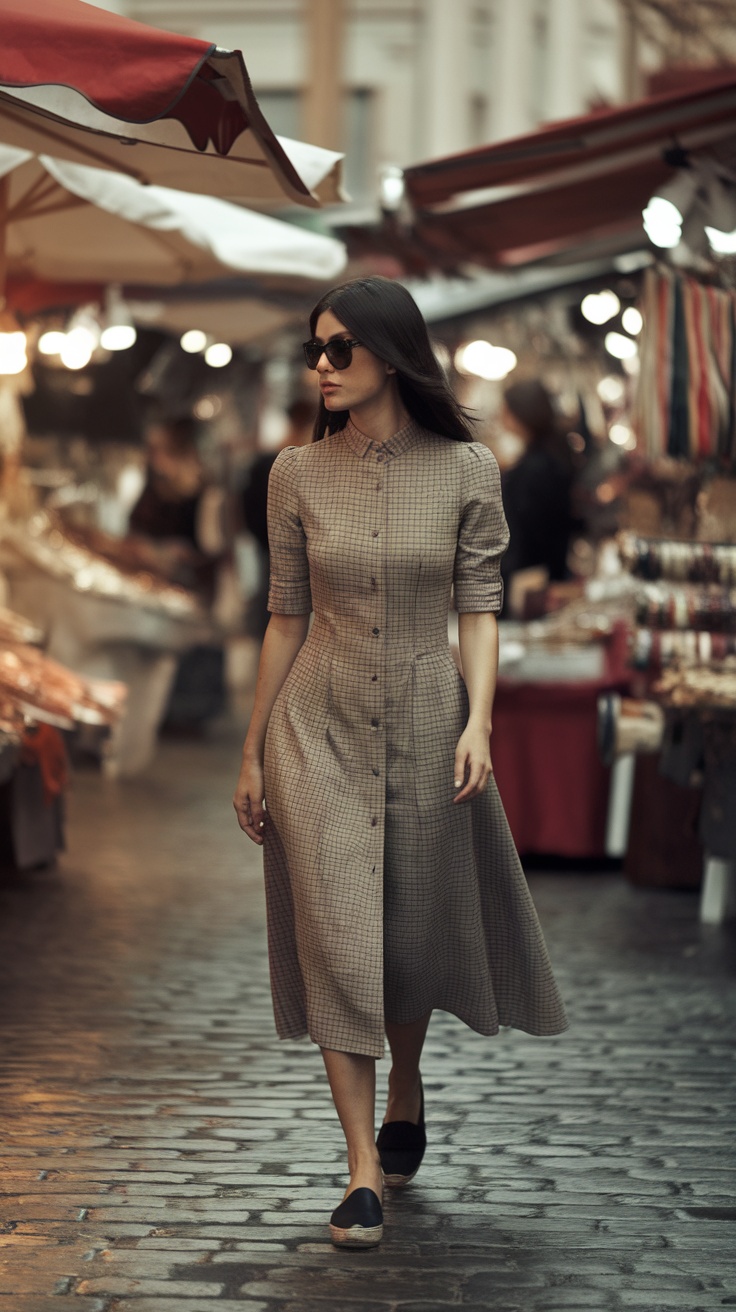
x,y
249,801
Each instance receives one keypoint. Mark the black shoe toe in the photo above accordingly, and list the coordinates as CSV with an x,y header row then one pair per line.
x,y
358,1221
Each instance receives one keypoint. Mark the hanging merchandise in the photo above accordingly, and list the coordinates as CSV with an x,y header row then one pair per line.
x,y
682,562
659,649
665,607
685,398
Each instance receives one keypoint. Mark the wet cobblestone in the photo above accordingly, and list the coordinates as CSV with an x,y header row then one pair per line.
x,y
161,1151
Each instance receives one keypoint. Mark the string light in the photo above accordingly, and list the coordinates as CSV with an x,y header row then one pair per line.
x,y
13,357
51,342
77,349
193,341
218,355
481,358
620,347
632,320
599,307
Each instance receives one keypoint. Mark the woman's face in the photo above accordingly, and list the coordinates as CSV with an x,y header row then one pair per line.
x,y
365,379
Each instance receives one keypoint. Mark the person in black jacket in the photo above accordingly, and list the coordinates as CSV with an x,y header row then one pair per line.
x,y
537,489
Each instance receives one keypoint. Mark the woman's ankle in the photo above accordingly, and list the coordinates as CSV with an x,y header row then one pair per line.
x,y
366,1159
404,1101
365,1173
404,1084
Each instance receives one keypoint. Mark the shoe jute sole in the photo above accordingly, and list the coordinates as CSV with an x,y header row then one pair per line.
x,y
358,1221
398,1181
357,1236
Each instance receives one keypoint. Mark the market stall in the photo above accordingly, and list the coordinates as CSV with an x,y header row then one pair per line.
x,y
40,700
685,643
104,618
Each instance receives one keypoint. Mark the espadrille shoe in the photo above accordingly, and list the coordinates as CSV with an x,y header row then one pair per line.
x,y
358,1221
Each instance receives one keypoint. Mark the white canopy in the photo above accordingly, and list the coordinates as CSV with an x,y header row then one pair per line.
x,y
67,222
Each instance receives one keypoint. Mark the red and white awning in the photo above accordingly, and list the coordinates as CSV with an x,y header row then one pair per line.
x,y
569,186
82,84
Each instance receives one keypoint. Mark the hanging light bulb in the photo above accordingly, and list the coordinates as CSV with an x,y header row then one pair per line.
x,y
81,338
193,341
662,223
13,357
620,347
599,307
611,389
668,209
483,360
620,434
119,333
118,337
51,342
13,342
76,352
723,243
632,320
218,355
391,188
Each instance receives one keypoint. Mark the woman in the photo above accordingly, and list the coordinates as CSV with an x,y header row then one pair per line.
x,y
536,490
392,882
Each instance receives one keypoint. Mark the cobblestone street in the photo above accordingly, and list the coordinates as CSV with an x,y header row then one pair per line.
x,y
163,1152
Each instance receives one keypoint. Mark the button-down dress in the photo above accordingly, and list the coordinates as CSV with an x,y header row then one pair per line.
x,y
384,899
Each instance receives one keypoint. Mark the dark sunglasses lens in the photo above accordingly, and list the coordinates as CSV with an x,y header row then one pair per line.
x,y
339,354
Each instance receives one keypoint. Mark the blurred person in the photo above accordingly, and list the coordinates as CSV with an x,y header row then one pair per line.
x,y
392,882
179,522
175,515
537,487
300,415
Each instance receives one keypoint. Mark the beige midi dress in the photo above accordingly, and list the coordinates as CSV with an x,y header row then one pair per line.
x,y
385,900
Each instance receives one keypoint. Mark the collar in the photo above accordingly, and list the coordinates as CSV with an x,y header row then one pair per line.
x,y
363,446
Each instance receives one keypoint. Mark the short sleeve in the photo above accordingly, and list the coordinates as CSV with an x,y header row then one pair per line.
x,y
483,535
289,591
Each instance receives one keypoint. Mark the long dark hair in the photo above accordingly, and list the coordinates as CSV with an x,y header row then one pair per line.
x,y
384,316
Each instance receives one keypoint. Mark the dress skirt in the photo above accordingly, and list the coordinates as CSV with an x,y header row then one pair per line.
x,y
385,899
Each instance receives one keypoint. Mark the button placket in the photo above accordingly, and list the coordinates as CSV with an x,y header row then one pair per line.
x,y
376,755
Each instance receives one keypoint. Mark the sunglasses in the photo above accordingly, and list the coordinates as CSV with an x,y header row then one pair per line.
x,y
339,352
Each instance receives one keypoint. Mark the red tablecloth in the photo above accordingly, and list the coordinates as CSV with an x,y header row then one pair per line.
x,y
547,765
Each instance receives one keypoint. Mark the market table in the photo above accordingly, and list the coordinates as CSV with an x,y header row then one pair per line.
x,y
546,760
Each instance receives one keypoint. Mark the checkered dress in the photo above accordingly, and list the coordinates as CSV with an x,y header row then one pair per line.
x,y
384,899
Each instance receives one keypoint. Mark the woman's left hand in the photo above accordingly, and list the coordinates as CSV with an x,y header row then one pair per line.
x,y
472,763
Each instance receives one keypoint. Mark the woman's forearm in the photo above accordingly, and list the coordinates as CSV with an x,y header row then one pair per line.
x,y
284,637
478,637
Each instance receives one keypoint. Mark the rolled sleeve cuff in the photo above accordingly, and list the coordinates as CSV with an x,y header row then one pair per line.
x,y
290,599
484,599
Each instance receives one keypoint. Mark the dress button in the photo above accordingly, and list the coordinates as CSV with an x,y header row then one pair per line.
x,y
376,632
380,457
374,678
374,534
374,822
376,771
379,486
374,723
